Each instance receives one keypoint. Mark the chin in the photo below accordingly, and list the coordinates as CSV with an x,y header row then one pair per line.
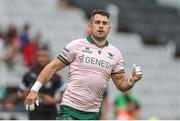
x,y
101,37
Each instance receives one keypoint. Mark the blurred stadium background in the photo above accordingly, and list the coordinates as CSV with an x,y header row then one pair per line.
x,y
146,31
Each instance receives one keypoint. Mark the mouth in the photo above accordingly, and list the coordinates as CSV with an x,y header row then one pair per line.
x,y
100,31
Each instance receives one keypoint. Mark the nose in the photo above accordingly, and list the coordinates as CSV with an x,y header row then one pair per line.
x,y
101,25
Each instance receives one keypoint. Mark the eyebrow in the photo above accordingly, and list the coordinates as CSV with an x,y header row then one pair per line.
x,y
102,21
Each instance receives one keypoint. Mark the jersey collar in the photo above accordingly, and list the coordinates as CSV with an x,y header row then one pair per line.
x,y
90,39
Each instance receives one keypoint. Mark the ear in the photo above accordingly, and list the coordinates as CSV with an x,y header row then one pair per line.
x,y
89,26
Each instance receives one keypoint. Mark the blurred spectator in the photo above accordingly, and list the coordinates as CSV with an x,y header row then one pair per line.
x,y
2,96
29,49
127,107
38,40
9,100
1,44
24,35
10,45
47,108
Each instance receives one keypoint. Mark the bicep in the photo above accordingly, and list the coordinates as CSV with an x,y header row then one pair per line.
x,y
56,64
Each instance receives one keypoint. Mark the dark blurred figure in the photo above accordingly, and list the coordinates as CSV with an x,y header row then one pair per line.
x,y
47,107
11,45
1,33
127,107
1,43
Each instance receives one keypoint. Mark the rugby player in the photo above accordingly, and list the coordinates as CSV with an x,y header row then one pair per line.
x,y
92,62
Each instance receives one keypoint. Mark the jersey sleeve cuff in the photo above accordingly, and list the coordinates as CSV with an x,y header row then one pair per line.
x,y
62,59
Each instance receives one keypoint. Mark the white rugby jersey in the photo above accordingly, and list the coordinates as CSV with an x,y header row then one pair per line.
x,y
90,68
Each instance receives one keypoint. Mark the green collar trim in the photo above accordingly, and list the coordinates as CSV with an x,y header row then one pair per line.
x,y
90,39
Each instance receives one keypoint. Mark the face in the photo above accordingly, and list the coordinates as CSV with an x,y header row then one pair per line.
x,y
99,27
42,57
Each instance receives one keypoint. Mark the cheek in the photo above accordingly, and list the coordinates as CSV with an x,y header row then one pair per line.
x,y
94,30
45,60
108,29
95,27
42,60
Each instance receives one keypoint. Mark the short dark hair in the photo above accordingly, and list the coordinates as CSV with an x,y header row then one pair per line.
x,y
101,12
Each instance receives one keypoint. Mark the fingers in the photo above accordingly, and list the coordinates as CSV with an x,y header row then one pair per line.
x,y
134,67
27,107
31,106
37,102
137,71
31,101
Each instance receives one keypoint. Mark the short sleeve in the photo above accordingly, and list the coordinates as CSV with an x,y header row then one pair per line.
x,y
67,54
25,84
119,66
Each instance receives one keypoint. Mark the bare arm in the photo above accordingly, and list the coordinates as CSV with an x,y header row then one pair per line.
x,y
48,71
123,82
42,79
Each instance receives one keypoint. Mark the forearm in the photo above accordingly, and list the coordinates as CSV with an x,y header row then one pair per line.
x,y
122,81
46,74
123,84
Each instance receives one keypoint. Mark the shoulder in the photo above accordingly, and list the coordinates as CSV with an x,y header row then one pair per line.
x,y
75,43
29,78
115,49
28,75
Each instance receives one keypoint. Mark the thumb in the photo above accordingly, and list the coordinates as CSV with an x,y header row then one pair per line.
x,y
134,70
134,67
37,102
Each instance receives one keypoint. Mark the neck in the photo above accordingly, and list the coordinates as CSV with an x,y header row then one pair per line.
x,y
98,42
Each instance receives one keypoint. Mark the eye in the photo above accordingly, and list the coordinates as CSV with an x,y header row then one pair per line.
x,y
97,22
105,23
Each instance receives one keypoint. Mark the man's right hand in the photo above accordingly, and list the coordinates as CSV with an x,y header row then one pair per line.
x,y
31,100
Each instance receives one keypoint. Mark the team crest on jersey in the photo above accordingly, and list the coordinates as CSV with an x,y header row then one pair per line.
x,y
110,55
87,50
